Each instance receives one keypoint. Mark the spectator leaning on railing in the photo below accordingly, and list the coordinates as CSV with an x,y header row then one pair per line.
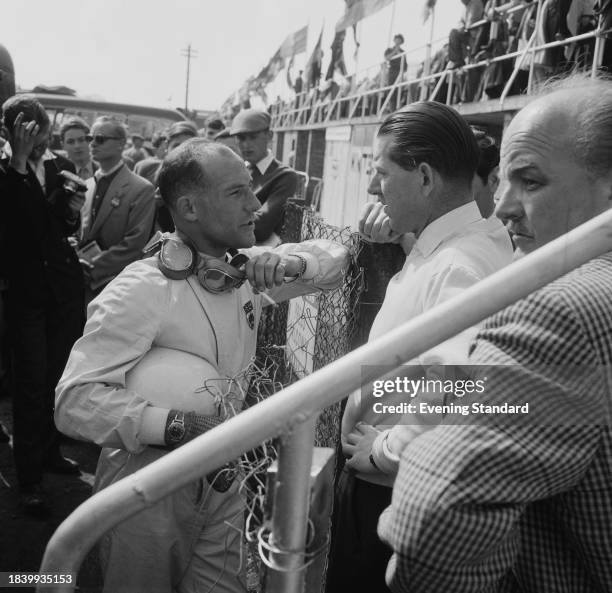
x,y
525,503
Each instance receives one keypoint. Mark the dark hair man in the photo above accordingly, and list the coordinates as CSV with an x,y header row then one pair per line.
x,y
273,182
190,541
73,136
45,289
486,180
425,158
527,504
395,55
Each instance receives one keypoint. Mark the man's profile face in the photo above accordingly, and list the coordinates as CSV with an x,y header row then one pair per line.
x,y
407,209
253,145
374,188
226,208
544,192
75,144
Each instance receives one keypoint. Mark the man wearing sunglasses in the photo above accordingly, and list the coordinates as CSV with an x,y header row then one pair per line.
x,y
198,297
118,211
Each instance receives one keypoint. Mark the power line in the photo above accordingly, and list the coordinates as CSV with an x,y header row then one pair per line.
x,y
189,54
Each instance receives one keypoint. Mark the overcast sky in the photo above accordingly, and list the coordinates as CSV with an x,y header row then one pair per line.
x,y
130,50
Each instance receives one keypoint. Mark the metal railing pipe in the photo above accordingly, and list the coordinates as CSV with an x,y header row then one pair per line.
x,y
290,510
275,415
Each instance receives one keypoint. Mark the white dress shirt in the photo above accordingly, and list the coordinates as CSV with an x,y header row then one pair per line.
x,y
452,254
264,163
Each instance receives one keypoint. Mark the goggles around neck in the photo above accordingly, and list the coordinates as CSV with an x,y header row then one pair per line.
x,y
178,260
217,275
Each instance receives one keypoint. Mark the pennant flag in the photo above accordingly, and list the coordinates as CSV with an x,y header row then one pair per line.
x,y
312,70
357,10
269,72
428,9
337,56
294,43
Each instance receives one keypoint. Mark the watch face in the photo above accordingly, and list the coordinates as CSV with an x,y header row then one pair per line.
x,y
176,430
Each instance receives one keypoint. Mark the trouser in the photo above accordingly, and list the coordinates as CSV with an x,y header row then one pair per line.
x,y
40,337
189,542
358,559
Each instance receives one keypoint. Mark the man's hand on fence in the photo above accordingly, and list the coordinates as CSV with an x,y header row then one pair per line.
x,y
358,447
268,270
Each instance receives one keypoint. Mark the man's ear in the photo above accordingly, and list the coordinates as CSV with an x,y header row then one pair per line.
x,y
427,178
493,180
185,208
269,136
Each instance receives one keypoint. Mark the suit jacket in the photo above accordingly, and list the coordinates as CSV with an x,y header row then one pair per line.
x,y
35,254
521,503
122,225
273,188
148,168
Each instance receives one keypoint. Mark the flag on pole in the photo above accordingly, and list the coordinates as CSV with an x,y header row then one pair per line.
x,y
312,70
428,9
294,43
357,10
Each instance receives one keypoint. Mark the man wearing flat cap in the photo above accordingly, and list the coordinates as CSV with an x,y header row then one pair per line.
x,y
273,182
179,132
136,153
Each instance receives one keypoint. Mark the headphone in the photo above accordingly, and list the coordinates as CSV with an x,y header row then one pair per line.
x,y
178,260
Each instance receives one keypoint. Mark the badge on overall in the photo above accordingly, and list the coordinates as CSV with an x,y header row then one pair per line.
x,y
250,315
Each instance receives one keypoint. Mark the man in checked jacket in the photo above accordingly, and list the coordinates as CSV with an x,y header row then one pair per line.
x,y
509,506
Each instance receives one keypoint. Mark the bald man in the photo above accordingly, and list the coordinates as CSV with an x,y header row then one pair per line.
x,y
525,504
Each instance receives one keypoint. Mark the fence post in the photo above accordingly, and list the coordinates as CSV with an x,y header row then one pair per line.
x,y
291,510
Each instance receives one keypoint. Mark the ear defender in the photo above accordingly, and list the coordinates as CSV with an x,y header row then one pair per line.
x,y
177,260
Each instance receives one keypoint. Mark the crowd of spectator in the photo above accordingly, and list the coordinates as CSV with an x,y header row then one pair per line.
x,y
489,29
417,502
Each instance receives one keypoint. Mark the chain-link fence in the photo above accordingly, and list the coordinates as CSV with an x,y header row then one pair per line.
x,y
310,332
296,338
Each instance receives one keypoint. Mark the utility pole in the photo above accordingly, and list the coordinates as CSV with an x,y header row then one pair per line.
x,y
188,53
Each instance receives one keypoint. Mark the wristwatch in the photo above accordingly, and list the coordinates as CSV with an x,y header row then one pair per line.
x,y
175,430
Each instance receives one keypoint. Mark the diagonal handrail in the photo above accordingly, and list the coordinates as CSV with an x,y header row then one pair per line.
x,y
300,401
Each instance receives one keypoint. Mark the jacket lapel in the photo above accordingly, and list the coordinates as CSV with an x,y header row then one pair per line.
x,y
86,209
112,198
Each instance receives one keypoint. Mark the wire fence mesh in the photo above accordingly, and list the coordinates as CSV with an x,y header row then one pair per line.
x,y
295,339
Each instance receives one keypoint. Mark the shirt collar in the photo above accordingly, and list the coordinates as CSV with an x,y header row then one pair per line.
x,y
265,162
447,225
99,174
88,167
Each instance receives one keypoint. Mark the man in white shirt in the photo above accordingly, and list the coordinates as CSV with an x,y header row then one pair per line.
x,y
425,158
